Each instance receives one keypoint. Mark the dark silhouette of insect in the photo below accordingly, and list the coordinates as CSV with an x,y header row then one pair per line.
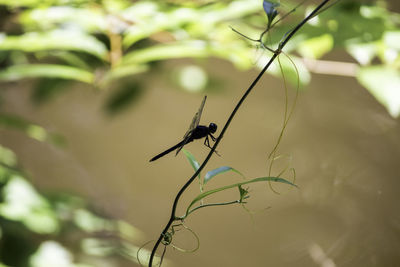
x,y
194,132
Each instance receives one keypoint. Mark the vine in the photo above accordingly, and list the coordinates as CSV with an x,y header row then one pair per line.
x,y
166,233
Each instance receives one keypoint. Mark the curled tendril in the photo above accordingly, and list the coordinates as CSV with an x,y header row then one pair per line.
x,y
172,232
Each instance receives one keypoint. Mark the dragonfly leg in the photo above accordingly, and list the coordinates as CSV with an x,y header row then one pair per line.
x,y
212,137
207,143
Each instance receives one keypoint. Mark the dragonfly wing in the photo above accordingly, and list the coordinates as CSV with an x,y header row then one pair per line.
x,y
193,125
198,114
196,118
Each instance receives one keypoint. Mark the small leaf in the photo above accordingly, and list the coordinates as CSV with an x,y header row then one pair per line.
x,y
269,8
17,72
192,160
7,157
217,171
243,193
383,83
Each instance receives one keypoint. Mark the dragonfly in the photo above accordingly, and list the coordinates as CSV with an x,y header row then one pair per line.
x,y
194,132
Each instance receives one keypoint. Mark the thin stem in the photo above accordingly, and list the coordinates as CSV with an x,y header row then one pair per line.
x,y
228,122
212,205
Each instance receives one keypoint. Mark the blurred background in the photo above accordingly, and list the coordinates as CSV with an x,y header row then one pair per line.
x,y
90,90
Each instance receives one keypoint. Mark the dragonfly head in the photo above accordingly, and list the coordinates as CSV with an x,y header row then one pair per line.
x,y
212,127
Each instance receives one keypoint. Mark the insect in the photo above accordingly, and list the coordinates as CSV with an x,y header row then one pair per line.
x,y
195,131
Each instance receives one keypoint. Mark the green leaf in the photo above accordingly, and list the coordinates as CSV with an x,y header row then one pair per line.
x,y
152,19
364,53
383,83
7,157
392,39
316,47
90,19
122,71
192,160
17,72
72,59
22,203
54,40
243,193
167,51
255,180
217,171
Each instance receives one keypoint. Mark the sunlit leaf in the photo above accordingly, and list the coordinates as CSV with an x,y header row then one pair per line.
x,y
129,231
392,39
52,253
161,20
384,84
218,171
151,18
90,19
89,222
22,203
97,247
7,156
316,47
54,40
17,72
167,51
122,71
364,53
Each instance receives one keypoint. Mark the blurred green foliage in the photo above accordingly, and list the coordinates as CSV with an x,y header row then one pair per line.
x,y
32,130
101,42
55,229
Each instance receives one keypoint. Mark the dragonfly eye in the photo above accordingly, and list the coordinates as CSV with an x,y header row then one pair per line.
x,y
212,127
